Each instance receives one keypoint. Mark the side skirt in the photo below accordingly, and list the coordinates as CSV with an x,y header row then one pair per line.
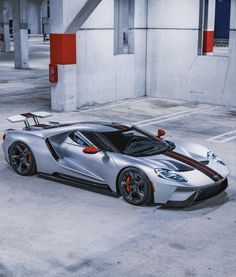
x,y
80,183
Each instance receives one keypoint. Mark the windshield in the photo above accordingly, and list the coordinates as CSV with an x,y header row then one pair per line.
x,y
132,142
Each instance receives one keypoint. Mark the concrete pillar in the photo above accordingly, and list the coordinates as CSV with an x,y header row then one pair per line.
x,y
4,26
21,44
66,18
64,91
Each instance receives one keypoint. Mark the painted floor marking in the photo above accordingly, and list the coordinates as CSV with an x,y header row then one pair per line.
x,y
173,116
159,117
165,116
225,137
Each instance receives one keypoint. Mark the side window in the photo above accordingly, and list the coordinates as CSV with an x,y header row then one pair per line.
x,y
77,138
96,140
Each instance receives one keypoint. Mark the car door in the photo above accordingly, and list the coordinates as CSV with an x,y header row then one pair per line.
x,y
96,168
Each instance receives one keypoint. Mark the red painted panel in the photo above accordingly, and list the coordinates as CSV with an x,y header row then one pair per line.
x,y
62,48
53,73
208,41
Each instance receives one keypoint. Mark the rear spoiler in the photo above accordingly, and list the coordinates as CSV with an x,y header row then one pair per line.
x,y
24,117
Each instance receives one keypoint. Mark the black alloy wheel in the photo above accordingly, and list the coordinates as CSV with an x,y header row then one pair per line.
x,y
22,159
135,186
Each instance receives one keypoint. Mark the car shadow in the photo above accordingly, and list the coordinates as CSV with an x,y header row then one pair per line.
x,y
212,203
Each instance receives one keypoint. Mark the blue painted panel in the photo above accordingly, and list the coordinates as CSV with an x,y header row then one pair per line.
x,y
222,19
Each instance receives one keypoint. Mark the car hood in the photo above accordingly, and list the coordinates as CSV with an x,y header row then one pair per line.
x,y
192,150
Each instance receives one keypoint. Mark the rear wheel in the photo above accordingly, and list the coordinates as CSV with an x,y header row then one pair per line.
x,y
134,186
22,159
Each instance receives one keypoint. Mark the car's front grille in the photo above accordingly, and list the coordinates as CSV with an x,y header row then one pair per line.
x,y
212,190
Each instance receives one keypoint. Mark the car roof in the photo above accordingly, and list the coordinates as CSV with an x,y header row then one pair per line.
x,y
87,126
102,126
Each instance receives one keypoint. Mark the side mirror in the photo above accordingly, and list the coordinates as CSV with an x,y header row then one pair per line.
x,y
91,150
160,133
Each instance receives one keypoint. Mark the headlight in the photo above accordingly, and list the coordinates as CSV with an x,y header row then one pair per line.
x,y
212,156
169,175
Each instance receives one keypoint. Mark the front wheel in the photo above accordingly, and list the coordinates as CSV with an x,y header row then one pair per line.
x,y
22,159
135,186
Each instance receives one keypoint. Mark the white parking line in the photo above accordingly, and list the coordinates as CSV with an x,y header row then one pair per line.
x,y
225,137
228,139
173,116
160,117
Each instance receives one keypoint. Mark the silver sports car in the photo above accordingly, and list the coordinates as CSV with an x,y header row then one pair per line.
x,y
122,159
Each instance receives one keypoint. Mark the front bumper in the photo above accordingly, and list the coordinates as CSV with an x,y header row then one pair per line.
x,y
199,195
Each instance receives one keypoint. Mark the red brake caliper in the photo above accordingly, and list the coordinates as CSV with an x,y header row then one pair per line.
x,y
29,158
127,186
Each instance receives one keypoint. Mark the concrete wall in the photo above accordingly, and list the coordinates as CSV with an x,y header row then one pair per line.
x,y
165,62
174,68
102,76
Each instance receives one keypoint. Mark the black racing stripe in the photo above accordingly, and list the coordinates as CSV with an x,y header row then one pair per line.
x,y
195,164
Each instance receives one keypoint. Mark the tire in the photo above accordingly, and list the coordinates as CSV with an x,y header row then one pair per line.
x,y
22,159
135,187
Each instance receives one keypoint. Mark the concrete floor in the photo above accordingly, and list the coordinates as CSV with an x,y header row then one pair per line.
x,y
50,229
